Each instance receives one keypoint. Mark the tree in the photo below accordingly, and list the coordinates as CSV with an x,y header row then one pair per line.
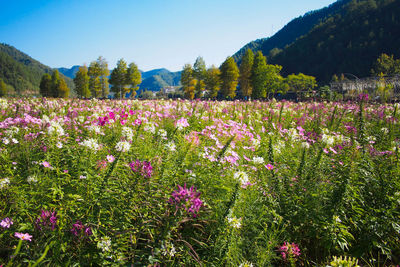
x,y
259,76
94,73
3,88
199,73
274,82
386,65
213,81
187,81
245,73
45,85
81,81
229,78
133,78
55,83
301,82
104,73
118,78
62,89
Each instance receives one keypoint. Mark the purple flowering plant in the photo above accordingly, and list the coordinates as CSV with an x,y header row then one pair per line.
x,y
186,199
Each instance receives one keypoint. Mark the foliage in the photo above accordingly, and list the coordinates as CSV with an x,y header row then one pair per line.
x,y
245,70
386,65
133,78
259,76
229,78
213,82
118,78
3,88
81,81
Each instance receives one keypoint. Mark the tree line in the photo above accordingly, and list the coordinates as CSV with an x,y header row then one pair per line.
x,y
95,81
254,78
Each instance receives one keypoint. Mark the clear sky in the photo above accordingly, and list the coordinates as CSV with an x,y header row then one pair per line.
x,y
152,33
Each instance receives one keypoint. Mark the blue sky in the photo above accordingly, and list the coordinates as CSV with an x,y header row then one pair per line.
x,y
151,33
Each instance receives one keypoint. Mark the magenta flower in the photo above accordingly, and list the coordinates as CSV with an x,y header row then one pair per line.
x,y
142,167
47,219
289,251
186,199
79,229
6,223
24,236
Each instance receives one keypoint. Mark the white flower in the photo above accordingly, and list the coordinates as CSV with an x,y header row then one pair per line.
x,y
162,133
122,146
246,264
258,160
95,128
6,141
4,182
328,139
385,130
104,244
81,119
127,133
149,127
59,145
55,128
256,143
91,144
242,177
305,145
235,222
170,146
32,179
15,141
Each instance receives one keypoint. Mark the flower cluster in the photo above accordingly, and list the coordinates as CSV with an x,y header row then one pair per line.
x,y
187,199
289,251
142,167
6,223
47,219
79,229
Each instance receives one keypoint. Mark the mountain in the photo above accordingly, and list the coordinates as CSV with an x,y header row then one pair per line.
x,y
21,72
291,31
71,72
346,43
152,80
345,37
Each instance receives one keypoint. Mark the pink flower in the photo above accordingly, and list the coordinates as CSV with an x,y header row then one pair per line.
x,y
23,236
110,158
46,164
6,223
269,167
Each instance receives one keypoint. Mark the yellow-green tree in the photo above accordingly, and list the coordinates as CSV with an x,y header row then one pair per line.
x,y
213,81
94,73
133,78
245,68
45,85
259,75
229,78
3,88
81,82
188,81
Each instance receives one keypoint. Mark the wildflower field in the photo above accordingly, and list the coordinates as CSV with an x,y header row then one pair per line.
x,y
198,183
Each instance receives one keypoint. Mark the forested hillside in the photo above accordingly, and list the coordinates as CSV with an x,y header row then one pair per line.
x,y
293,30
346,43
20,72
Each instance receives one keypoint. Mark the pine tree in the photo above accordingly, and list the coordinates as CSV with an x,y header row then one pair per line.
x,y
133,78
259,76
245,74
213,82
229,78
118,78
3,88
81,81
45,85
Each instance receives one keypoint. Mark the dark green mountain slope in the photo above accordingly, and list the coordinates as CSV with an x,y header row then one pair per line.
x,y
293,30
347,43
22,72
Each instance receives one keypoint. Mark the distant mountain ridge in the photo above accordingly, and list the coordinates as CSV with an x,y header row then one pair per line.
x,y
291,31
21,72
345,37
152,80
